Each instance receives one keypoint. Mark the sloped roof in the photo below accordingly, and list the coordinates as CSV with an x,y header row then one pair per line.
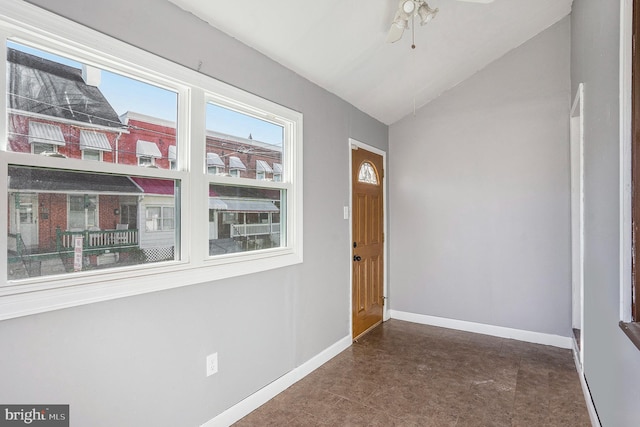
x,y
38,85
57,181
163,187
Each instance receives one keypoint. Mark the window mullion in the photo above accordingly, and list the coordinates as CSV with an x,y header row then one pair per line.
x,y
196,212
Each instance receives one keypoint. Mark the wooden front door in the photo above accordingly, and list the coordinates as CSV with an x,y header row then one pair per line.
x,y
368,241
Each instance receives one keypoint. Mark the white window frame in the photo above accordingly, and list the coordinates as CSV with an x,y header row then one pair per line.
x,y
97,211
215,170
147,161
161,219
30,25
54,147
90,150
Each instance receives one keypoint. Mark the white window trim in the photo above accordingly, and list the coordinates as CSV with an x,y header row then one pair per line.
x,y
54,147
31,25
100,158
85,227
152,163
162,217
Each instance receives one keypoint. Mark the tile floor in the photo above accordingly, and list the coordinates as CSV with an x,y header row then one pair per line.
x,y
405,374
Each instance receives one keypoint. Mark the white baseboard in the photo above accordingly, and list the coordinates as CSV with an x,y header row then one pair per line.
x,y
593,415
481,328
260,397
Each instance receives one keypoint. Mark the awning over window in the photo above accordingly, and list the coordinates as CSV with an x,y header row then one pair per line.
x,y
214,160
277,168
172,153
45,133
92,140
236,163
216,203
262,166
147,149
155,185
242,205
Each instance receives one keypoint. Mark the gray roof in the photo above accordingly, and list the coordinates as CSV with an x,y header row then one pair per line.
x,y
57,181
41,86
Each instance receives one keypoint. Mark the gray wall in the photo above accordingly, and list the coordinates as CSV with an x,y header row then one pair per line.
x,y
141,361
611,362
479,195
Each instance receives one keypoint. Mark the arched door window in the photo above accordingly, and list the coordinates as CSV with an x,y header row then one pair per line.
x,y
368,174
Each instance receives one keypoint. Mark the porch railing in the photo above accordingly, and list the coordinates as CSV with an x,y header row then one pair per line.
x,y
15,243
100,239
245,230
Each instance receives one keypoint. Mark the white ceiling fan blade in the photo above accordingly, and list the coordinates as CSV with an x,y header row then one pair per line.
x,y
395,33
397,28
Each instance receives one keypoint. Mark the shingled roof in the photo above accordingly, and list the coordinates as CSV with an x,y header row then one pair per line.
x,y
41,86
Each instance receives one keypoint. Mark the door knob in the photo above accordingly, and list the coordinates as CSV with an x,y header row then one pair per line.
x,y
357,258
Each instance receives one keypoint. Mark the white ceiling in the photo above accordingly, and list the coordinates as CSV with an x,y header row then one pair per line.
x,y
340,44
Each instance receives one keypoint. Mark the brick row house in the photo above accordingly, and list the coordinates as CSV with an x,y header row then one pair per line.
x,y
59,110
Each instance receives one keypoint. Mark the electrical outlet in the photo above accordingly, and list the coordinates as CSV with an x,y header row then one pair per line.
x,y
212,364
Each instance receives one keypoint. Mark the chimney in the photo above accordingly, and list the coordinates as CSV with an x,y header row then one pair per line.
x,y
91,75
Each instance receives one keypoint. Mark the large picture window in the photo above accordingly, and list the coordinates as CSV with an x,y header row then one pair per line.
x,y
106,164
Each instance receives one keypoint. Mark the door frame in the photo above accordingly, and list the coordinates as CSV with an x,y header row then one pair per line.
x,y
576,130
355,144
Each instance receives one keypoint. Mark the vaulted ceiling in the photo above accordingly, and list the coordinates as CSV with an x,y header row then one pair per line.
x,y
340,44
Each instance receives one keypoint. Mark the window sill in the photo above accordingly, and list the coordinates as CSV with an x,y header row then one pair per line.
x,y
88,289
632,330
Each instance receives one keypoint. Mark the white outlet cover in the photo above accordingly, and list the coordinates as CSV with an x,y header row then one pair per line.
x,y
212,364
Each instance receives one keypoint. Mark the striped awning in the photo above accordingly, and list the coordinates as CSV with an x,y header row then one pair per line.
x,y
277,168
92,140
216,203
214,159
147,149
45,133
242,205
236,163
172,153
262,166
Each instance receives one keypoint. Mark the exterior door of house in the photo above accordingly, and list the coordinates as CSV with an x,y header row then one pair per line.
x,y
27,218
368,241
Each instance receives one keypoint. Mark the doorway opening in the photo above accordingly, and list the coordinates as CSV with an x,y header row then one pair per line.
x,y
368,243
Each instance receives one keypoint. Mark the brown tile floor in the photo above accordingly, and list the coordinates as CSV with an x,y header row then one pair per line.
x,y
405,374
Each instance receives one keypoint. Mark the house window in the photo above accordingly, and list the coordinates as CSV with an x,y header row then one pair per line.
x,y
93,144
40,148
83,212
236,166
45,137
172,157
132,109
146,161
95,155
215,165
262,169
277,172
159,218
